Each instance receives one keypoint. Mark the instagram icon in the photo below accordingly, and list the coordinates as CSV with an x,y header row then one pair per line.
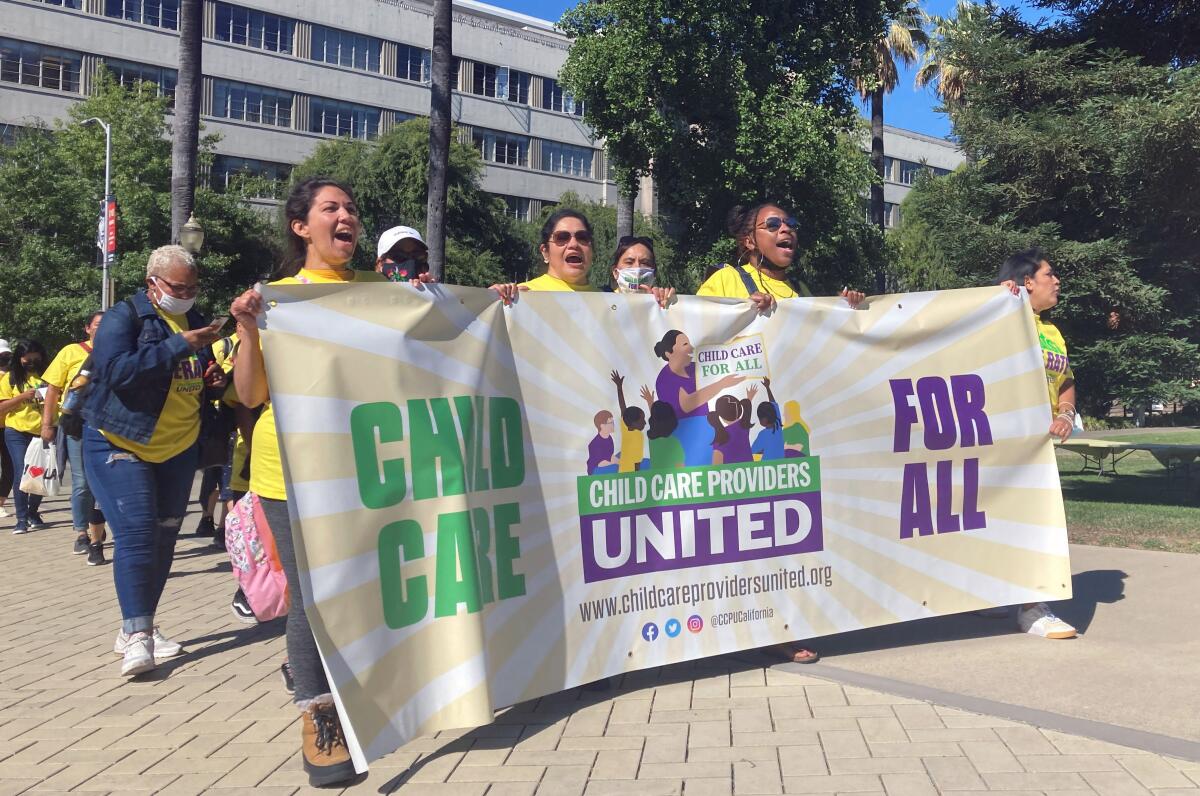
x,y
695,624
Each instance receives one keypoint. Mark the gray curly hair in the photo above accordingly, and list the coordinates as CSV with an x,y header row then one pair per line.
x,y
162,258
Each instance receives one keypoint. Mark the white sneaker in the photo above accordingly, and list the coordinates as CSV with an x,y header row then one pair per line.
x,y
1039,620
3,512
163,646
139,654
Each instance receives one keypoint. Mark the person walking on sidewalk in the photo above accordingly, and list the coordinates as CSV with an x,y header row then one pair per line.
x,y
151,367
322,233
6,463
21,395
1031,270
87,519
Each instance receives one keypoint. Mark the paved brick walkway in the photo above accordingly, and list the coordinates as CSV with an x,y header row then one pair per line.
x,y
218,719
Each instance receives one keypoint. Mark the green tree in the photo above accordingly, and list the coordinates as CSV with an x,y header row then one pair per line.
x,y
389,180
51,181
1092,155
727,102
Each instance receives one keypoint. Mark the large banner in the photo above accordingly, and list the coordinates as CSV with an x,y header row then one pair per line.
x,y
495,503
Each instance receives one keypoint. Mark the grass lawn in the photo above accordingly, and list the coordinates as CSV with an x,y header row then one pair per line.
x,y
1140,507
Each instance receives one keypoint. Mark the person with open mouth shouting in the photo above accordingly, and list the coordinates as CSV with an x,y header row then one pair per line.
x,y
766,249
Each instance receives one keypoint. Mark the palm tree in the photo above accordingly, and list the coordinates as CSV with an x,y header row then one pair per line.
x,y
186,135
938,67
905,34
439,136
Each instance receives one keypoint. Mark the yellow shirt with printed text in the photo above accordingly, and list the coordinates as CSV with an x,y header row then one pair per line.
x,y
547,282
178,424
266,465
726,283
1054,358
28,416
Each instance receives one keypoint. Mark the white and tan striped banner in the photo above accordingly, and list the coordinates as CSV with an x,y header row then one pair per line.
x,y
481,523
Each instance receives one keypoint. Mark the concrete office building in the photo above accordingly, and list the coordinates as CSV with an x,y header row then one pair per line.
x,y
906,154
279,77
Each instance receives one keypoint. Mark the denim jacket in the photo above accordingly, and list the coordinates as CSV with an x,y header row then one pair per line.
x,y
133,360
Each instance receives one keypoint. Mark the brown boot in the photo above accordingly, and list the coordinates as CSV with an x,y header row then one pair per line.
x,y
326,758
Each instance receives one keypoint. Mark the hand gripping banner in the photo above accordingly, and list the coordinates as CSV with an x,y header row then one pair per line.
x,y
496,503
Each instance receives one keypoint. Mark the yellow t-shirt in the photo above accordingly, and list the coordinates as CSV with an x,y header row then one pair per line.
x,y
553,283
726,283
178,424
28,416
266,466
633,449
1055,359
65,367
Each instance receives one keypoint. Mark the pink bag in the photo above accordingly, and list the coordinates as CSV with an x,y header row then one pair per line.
x,y
255,560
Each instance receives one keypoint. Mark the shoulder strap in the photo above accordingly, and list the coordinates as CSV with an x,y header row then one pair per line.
x,y
751,288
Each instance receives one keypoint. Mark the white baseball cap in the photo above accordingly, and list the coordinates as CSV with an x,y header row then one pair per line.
x,y
4,347
393,236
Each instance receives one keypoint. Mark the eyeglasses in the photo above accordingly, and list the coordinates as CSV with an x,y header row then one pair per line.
x,y
181,291
773,223
632,240
562,237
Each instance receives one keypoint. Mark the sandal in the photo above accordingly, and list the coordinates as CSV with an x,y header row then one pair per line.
x,y
798,654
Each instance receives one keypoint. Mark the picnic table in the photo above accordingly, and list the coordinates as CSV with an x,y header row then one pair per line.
x,y
1175,457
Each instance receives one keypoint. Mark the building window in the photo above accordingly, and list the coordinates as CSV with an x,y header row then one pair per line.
x,y
251,103
940,172
64,3
413,63
909,171
556,99
518,207
158,13
251,28
891,215
495,147
345,49
567,159
262,178
131,75
343,118
485,79
518,86
35,65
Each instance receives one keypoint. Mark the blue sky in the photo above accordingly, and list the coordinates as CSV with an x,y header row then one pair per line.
x,y
907,106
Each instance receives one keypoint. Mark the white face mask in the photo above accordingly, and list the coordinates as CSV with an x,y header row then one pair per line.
x,y
629,280
172,305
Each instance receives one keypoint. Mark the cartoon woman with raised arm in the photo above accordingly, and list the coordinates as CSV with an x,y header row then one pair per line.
x,y
769,442
676,386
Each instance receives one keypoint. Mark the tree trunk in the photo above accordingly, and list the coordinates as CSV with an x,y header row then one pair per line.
x,y
439,137
877,205
186,138
626,194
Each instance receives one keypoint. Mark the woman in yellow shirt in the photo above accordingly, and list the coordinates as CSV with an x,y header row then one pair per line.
x,y
322,233
22,393
151,367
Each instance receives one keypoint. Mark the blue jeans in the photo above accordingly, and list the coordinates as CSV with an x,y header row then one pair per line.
x,y
83,503
144,504
17,443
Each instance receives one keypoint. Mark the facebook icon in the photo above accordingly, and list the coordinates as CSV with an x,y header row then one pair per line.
x,y
649,631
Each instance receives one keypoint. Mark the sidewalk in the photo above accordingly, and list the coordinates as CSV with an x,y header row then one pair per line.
x,y
217,719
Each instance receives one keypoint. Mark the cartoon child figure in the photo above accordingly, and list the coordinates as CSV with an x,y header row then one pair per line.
x,y
768,445
795,431
731,422
666,451
601,449
633,424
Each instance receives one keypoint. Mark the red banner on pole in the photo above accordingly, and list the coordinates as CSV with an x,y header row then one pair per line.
x,y
111,213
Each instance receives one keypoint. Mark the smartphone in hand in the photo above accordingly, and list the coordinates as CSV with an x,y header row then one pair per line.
x,y
219,323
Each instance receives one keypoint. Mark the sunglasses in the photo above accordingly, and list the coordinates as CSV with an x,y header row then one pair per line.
x,y
631,240
178,290
562,237
773,223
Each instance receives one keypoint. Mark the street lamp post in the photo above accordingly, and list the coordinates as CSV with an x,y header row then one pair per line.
x,y
105,298
191,235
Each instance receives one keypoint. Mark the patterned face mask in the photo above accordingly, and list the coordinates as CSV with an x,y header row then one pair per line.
x,y
631,280
402,271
